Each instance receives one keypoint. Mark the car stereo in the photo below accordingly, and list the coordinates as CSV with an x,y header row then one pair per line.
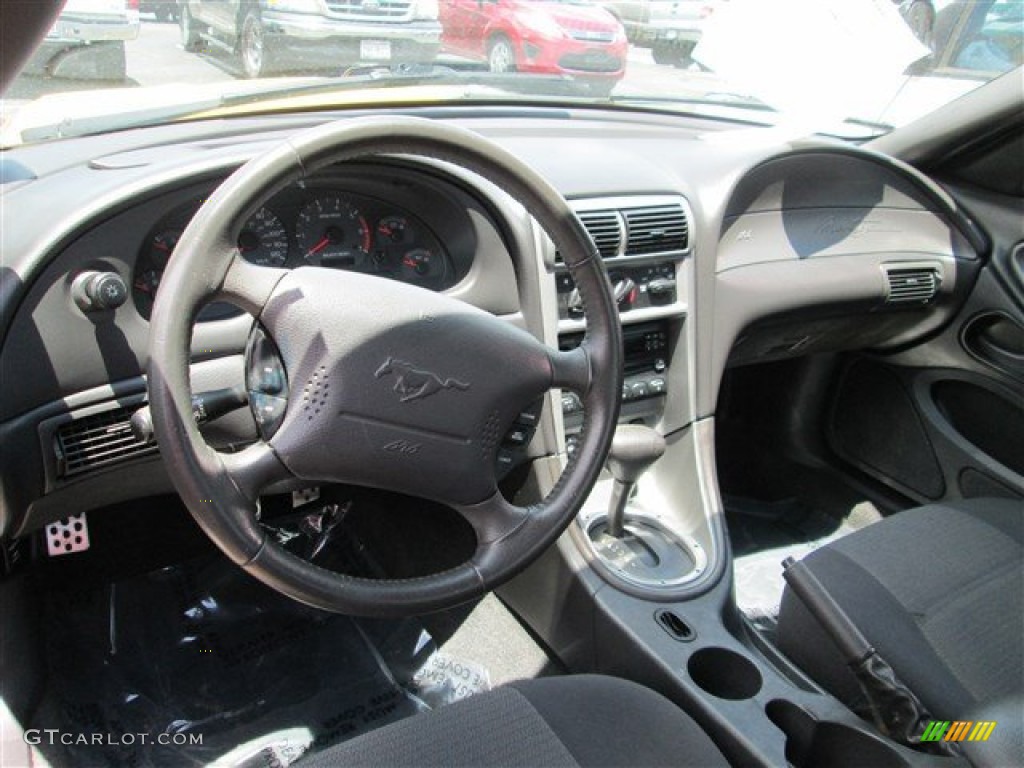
x,y
645,348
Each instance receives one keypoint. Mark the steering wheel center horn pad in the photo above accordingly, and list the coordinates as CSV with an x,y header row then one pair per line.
x,y
376,382
397,387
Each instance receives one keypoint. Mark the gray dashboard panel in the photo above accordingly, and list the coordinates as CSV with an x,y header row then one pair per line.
x,y
106,193
809,233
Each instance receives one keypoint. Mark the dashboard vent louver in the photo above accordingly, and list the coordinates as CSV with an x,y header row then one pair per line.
x,y
95,441
656,229
605,228
640,227
911,285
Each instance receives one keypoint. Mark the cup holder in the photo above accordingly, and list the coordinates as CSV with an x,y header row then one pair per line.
x,y
724,673
811,743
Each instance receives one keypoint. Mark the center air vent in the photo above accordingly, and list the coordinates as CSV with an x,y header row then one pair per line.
x,y
911,285
605,228
656,229
95,441
656,225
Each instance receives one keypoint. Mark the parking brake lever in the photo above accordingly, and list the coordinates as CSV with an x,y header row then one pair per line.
x,y
206,406
897,712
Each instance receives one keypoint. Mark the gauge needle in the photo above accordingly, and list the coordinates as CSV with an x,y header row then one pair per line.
x,y
324,242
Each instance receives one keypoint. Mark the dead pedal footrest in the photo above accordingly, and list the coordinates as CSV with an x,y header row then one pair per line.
x,y
67,536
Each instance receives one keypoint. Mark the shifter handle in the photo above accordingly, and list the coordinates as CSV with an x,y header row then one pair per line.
x,y
634,448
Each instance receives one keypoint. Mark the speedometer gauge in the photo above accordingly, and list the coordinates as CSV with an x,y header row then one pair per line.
x,y
332,233
264,240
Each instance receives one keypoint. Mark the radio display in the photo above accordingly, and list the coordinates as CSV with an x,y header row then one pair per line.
x,y
644,346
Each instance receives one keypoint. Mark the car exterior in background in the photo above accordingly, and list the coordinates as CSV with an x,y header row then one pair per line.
x,y
670,28
578,39
982,40
87,41
278,35
164,10
920,17
968,37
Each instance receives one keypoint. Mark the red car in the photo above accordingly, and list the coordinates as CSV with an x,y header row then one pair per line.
x,y
545,37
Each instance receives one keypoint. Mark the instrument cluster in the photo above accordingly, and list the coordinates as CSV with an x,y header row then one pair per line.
x,y
313,226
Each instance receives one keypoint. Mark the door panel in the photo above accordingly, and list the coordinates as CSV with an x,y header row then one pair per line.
x,y
219,14
997,340
945,419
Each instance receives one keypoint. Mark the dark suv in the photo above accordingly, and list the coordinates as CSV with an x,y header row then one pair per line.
x,y
271,35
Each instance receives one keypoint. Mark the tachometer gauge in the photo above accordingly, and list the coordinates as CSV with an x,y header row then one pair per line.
x,y
333,233
264,240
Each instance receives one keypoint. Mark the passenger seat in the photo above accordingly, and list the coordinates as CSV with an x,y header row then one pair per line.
x,y
939,592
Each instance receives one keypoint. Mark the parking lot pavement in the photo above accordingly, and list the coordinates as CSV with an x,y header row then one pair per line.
x,y
156,57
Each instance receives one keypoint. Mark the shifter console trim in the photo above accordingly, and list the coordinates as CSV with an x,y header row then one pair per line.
x,y
675,561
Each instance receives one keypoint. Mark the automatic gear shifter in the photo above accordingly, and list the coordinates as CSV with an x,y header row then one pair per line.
x,y
643,551
634,448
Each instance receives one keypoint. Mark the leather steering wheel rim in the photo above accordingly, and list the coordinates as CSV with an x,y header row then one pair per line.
x,y
321,335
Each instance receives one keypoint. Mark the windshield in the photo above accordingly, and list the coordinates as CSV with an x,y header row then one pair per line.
x,y
852,68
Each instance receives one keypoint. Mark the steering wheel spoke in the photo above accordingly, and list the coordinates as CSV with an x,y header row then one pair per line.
x,y
492,519
572,370
248,285
253,469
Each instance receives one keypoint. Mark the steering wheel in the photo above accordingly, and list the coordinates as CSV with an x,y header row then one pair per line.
x,y
374,382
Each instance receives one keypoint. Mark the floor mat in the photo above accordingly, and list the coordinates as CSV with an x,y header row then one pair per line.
x,y
489,635
765,534
180,666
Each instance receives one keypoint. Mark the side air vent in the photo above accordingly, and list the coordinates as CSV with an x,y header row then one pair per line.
x,y
96,441
656,229
605,227
911,285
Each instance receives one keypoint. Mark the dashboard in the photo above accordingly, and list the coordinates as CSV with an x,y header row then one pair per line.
x,y
721,253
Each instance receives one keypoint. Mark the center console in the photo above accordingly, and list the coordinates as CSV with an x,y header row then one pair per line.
x,y
646,244
646,355
640,586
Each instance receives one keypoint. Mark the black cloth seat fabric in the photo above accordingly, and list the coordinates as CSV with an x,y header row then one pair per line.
x,y
938,591
561,722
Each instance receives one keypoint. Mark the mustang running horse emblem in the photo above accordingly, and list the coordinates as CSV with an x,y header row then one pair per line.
x,y
413,383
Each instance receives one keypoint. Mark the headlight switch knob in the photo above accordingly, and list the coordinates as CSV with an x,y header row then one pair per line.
x,y
95,291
